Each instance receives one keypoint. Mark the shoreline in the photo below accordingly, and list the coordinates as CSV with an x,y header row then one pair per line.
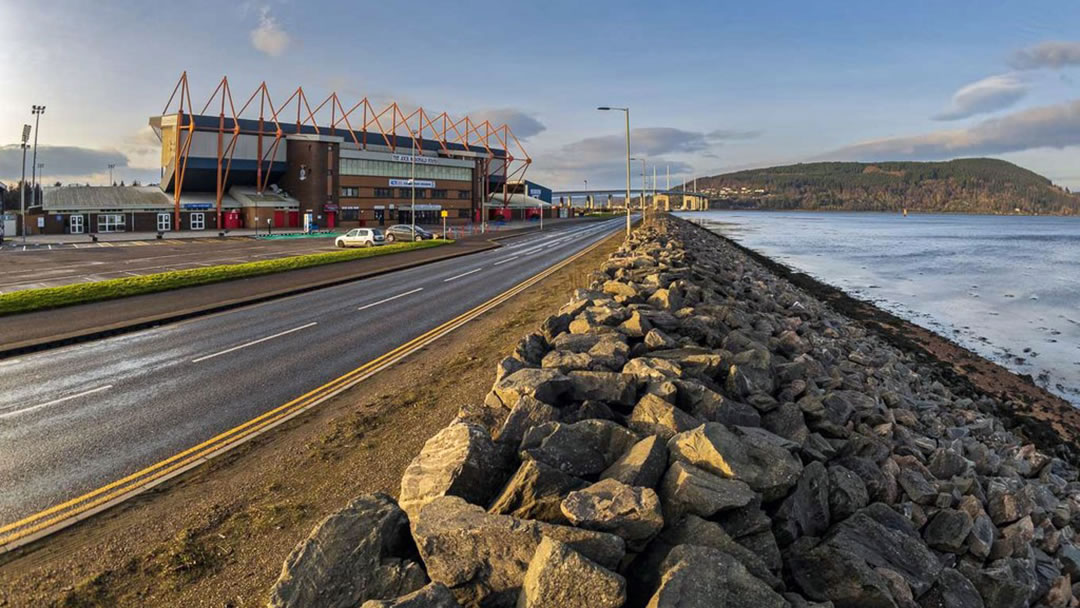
x,y
1048,419
704,426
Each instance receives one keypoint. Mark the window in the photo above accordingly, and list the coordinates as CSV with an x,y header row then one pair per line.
x,y
463,194
382,193
386,168
198,221
350,192
438,194
164,222
404,193
464,213
350,213
110,222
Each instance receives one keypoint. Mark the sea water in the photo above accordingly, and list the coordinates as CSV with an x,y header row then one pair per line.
x,y
1006,287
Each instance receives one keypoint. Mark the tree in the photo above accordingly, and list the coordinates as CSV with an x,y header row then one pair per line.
x,y
121,183
134,182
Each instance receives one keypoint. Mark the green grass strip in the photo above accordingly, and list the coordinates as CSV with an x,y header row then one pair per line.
x,y
29,300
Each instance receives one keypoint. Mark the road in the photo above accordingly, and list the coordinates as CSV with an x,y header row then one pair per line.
x,y
77,418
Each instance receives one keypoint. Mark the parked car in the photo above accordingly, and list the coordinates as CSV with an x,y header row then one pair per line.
x,y
404,232
361,237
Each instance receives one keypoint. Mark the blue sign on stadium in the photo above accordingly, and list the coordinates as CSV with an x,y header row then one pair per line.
x,y
197,205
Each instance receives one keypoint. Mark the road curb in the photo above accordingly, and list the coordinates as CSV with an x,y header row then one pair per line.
x,y
133,325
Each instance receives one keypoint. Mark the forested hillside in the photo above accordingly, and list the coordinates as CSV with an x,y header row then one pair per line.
x,y
970,185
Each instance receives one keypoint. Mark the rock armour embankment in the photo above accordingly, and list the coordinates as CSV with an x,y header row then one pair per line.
x,y
694,431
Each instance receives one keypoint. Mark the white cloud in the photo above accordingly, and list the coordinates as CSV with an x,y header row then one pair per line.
x,y
66,163
986,95
1054,54
1056,126
268,37
523,125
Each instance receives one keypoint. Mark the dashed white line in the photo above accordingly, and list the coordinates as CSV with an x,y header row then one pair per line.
x,y
464,274
55,401
384,301
254,342
509,259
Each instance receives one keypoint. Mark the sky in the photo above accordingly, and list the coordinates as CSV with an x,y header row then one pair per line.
x,y
713,86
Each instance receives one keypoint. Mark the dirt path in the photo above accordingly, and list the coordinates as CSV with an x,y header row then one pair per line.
x,y
218,536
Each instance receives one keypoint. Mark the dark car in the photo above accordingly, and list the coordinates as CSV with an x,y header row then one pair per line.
x,y
404,232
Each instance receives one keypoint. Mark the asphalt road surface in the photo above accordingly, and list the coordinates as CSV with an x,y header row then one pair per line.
x,y
43,267
77,418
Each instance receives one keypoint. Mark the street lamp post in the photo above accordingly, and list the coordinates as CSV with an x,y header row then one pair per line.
x,y
412,181
22,184
37,111
627,202
587,199
644,185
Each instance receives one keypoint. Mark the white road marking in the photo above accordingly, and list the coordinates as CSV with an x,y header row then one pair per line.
x,y
254,342
400,295
509,259
464,274
56,401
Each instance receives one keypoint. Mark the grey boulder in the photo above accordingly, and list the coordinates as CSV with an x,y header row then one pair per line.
x,y
359,553
434,595
559,577
764,466
703,577
460,460
583,448
632,513
483,558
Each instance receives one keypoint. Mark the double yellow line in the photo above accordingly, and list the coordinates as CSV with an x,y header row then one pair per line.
x,y
53,519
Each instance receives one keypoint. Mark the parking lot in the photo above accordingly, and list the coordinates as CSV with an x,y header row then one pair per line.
x,y
53,264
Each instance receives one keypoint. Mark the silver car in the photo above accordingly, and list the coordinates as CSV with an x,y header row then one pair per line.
x,y
361,237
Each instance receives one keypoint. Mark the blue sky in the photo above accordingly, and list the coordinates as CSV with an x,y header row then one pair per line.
x,y
713,86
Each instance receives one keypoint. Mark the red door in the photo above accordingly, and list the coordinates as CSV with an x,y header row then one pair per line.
x,y
330,216
232,220
294,219
279,219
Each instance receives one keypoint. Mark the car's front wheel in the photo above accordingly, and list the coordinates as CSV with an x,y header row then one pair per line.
x,y
390,238
339,243
368,243
419,238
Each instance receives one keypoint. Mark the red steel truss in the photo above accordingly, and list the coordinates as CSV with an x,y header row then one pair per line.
x,y
383,125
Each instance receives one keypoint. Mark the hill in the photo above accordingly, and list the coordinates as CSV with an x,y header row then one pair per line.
x,y
968,185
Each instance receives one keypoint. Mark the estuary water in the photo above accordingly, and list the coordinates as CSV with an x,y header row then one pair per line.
x,y
1006,287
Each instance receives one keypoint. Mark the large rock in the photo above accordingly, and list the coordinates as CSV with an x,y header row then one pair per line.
x,y
583,448
805,512
948,530
547,385
703,577
536,491
654,416
952,590
434,595
642,465
764,466
751,373
695,361
711,406
527,413
842,568
693,530
632,513
610,387
688,489
460,460
361,552
483,558
1006,583
559,577
847,493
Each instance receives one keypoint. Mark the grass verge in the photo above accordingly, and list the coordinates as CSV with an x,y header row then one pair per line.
x,y
29,300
